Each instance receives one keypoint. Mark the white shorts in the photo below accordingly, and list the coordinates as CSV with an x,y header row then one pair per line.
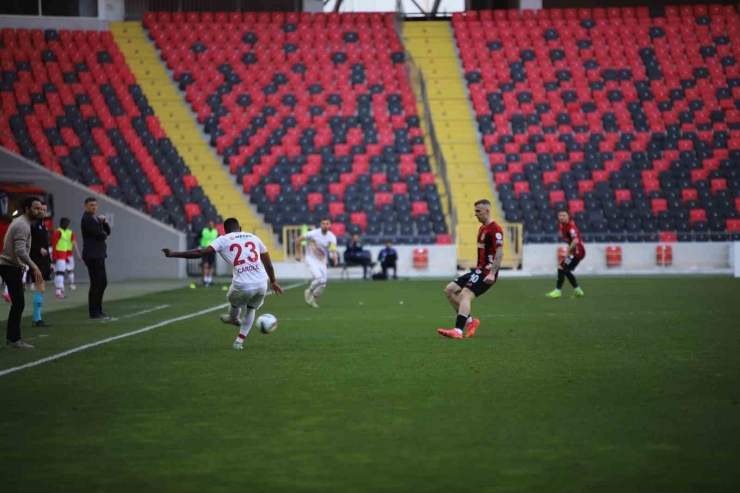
x,y
60,266
317,268
252,298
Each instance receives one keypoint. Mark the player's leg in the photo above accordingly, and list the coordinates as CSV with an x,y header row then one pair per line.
x,y
71,271
466,298
254,300
59,269
577,291
237,301
204,271
557,292
318,290
453,291
38,297
314,266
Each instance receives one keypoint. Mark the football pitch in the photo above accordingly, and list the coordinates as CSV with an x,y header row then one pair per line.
x,y
634,388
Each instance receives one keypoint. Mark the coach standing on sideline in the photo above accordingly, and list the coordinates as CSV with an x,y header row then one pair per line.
x,y
95,230
14,256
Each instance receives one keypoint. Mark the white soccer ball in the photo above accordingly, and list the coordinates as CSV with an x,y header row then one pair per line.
x,y
267,323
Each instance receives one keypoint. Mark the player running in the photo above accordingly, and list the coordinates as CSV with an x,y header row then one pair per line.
x,y
319,243
62,243
576,252
462,290
247,255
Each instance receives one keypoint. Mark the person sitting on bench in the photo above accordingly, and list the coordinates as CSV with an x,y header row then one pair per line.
x,y
356,255
387,258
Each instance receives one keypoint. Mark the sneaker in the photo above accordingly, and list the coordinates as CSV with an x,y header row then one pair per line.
x,y
100,316
451,333
307,296
238,345
40,323
471,327
61,296
226,318
578,293
554,294
313,302
72,287
19,344
6,297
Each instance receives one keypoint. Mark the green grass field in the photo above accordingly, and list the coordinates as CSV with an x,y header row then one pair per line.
x,y
634,388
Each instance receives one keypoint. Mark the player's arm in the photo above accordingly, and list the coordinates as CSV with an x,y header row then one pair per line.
x,y
77,249
20,243
267,262
334,254
573,241
298,248
195,253
497,258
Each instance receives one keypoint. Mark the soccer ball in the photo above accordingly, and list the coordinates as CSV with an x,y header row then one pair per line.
x,y
267,323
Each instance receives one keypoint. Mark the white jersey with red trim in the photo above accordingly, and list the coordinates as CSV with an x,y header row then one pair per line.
x,y
318,244
242,252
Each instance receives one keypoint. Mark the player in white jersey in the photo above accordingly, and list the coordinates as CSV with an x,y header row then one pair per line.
x,y
320,243
251,267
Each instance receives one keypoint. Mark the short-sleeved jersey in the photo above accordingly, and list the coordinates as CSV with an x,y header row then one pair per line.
x,y
242,252
569,232
318,245
490,239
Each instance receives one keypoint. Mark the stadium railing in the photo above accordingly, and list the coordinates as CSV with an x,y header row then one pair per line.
x,y
415,77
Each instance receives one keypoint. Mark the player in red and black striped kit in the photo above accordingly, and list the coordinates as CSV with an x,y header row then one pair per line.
x,y
462,290
576,252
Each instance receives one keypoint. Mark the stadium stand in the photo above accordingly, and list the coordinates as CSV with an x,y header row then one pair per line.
x,y
627,117
70,103
313,114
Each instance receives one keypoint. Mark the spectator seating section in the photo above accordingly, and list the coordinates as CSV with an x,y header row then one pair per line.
x,y
627,117
69,102
314,115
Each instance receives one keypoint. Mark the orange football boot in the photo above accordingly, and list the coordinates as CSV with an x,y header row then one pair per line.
x,y
471,327
451,333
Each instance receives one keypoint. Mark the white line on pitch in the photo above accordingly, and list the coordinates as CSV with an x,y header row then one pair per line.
x,y
124,335
136,314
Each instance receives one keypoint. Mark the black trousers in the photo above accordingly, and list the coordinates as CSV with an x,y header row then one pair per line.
x,y
388,265
13,277
98,283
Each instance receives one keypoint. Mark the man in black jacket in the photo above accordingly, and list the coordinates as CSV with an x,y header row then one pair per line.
x,y
95,230
357,255
42,258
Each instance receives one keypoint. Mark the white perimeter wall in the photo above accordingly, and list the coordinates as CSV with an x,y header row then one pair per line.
x,y
442,263
638,258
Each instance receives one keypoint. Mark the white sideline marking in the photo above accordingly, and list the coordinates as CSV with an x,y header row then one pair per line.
x,y
124,335
136,314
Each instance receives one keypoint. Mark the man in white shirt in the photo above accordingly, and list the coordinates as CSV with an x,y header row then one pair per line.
x,y
251,266
319,244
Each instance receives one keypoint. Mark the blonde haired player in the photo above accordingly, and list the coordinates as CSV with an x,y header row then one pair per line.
x,y
62,243
251,266
320,243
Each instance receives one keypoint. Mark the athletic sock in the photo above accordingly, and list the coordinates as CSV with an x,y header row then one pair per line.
x,y
38,302
561,279
470,319
59,283
71,279
460,323
247,322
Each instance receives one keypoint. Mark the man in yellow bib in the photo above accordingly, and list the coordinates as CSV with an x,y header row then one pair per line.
x,y
208,263
62,242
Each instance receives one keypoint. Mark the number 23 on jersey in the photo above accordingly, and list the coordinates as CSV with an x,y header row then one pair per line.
x,y
252,254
